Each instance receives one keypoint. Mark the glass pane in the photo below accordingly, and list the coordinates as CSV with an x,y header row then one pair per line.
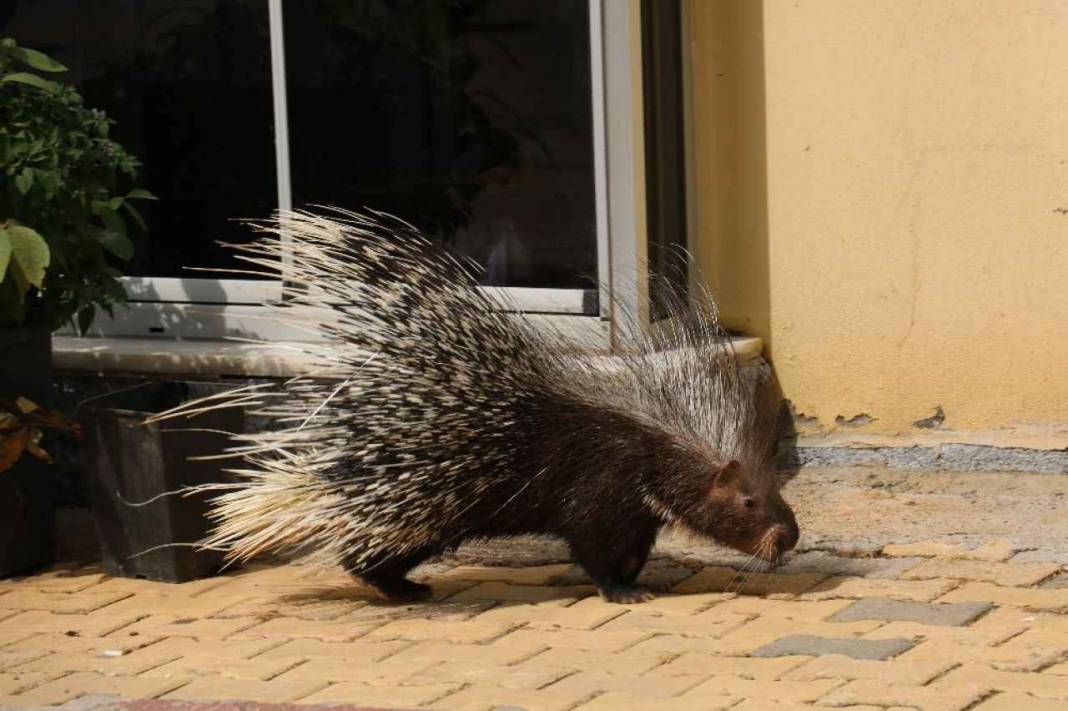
x,y
188,83
468,118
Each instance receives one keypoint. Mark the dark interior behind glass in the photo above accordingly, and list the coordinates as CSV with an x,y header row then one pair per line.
x,y
188,84
468,118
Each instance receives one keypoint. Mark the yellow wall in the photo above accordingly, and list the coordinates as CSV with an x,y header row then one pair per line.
x,y
882,194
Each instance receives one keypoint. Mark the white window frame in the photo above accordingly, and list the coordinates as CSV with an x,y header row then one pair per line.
x,y
186,308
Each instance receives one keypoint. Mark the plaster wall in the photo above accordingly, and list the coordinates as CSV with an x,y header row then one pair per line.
x,y
881,193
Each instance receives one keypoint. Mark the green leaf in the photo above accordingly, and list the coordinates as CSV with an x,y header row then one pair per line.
x,y
5,252
136,216
116,243
85,319
32,80
115,203
30,252
38,60
141,193
24,180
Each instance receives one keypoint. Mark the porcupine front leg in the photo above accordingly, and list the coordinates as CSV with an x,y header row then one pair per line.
x,y
388,575
613,562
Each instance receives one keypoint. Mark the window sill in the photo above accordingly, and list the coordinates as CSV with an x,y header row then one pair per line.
x,y
166,357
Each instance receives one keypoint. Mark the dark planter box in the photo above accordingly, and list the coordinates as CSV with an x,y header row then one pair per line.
x,y
129,463
27,513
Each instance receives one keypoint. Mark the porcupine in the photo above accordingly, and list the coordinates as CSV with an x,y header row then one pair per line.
x,y
430,416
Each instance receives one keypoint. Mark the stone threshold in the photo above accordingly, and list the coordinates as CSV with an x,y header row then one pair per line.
x,y
172,357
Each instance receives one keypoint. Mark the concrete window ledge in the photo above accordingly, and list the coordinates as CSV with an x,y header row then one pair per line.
x,y
165,357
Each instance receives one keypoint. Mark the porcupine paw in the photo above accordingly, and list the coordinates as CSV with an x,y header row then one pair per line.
x,y
626,594
402,590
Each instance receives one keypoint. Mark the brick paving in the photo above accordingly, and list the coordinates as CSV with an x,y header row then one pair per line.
x,y
925,626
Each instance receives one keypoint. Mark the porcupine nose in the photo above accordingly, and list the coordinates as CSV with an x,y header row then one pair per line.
x,y
787,539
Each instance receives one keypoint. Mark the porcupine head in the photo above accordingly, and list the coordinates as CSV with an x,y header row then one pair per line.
x,y
429,416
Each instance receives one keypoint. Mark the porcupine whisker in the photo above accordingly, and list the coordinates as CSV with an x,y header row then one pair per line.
x,y
195,545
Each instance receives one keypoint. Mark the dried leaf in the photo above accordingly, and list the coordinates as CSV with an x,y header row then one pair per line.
x,y
26,405
35,449
11,446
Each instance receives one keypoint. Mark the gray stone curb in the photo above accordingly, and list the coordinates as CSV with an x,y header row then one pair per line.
x,y
809,645
885,609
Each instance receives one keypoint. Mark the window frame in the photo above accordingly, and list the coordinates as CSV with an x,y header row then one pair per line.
x,y
219,308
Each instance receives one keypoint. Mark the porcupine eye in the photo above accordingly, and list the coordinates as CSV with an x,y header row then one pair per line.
x,y
748,502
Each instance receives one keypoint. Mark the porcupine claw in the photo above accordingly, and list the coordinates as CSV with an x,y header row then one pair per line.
x,y
627,594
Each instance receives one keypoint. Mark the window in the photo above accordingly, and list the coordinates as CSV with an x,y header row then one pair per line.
x,y
505,129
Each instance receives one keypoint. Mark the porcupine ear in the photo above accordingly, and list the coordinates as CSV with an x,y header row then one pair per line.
x,y
728,476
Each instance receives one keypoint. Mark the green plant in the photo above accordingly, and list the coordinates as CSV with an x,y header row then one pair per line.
x,y
65,192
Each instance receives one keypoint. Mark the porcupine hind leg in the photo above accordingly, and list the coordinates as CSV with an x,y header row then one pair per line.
x,y
388,575
613,562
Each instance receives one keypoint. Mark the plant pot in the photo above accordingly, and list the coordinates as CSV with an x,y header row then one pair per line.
x,y
27,513
145,529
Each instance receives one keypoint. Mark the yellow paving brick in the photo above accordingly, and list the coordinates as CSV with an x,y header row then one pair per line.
x,y
462,632
331,605
313,648
354,693
895,671
983,678
717,579
791,691
256,669
582,660
178,606
1007,574
697,664
296,628
15,681
63,579
219,688
1059,669
521,676
188,589
933,697
78,684
960,635
854,588
387,671
1018,702
97,662
196,628
586,614
997,657
1037,599
60,602
710,625
208,650
625,701
94,625
446,611
481,697
597,640
502,651
804,610
593,682
670,645
992,551
13,659
688,604
534,575
9,635
50,642
509,592
765,705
